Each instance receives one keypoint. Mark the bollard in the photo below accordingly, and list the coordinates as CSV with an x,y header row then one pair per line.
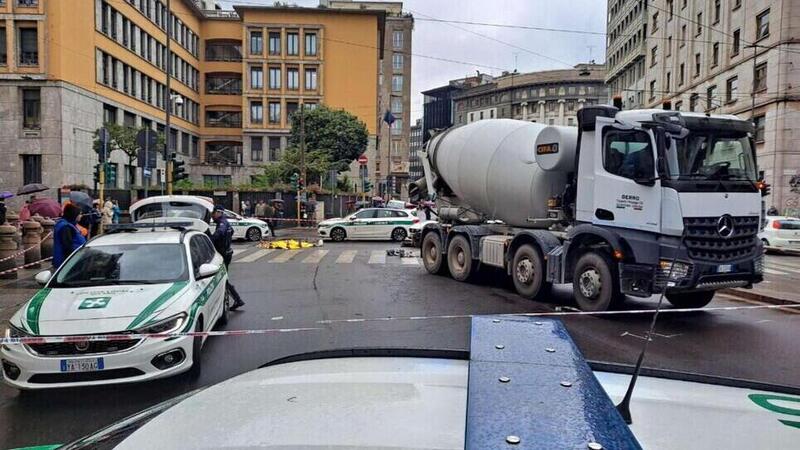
x,y
7,248
47,238
12,219
31,237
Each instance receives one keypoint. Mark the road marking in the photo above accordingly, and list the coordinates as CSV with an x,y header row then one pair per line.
x,y
793,269
255,256
377,257
236,251
315,256
346,257
774,272
285,256
410,261
277,318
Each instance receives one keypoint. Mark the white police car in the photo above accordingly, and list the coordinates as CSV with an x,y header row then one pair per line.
x,y
141,280
248,228
369,223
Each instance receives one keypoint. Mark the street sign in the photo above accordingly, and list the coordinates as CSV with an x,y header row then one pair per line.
x,y
362,160
147,172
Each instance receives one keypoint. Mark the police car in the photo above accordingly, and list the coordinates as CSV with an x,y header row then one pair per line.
x,y
248,228
369,223
139,279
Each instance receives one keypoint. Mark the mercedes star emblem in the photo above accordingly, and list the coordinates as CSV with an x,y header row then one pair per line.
x,y
725,226
82,346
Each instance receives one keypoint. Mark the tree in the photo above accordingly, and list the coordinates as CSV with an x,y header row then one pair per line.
x,y
335,132
317,163
124,138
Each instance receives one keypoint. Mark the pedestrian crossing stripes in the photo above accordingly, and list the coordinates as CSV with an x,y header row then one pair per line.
x,y
377,257
286,255
317,256
346,257
255,256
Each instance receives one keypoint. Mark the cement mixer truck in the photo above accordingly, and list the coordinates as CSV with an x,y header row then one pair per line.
x,y
634,203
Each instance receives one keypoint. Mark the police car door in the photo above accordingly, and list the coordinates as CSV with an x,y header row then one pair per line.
x,y
384,223
209,290
234,220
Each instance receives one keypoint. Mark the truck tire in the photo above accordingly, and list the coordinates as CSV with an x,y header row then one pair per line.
x,y
595,285
527,273
432,257
691,299
459,259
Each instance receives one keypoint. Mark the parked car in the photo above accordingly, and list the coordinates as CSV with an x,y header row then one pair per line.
x,y
369,223
781,233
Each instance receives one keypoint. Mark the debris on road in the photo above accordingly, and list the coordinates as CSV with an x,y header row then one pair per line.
x,y
401,252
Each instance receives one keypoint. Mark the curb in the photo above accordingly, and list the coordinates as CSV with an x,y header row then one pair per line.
x,y
752,295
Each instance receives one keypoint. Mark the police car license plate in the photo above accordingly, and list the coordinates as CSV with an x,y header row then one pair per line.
x,y
725,268
82,365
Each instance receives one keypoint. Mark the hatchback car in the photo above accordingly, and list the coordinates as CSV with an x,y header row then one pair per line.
x,y
781,233
369,223
137,281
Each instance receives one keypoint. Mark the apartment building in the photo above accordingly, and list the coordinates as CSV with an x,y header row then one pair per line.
x,y
438,103
552,97
415,171
68,67
388,165
734,57
625,50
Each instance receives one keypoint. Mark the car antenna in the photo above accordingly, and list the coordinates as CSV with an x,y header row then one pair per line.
x,y
624,407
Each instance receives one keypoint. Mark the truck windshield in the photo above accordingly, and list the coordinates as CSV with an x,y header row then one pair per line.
x,y
709,156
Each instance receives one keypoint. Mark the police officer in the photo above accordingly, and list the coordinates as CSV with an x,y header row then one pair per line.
x,y
222,242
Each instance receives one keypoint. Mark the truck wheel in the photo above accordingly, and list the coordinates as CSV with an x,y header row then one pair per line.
x,y
527,272
432,257
459,259
691,299
594,283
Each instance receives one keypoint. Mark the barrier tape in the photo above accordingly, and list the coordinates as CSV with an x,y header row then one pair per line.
x,y
123,336
26,265
22,252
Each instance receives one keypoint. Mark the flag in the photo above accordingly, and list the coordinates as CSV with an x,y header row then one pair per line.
x,y
388,117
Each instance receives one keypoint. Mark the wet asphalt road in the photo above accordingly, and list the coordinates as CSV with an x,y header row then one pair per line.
x,y
758,345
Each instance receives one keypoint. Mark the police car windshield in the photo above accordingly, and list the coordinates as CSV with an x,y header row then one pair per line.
x,y
171,209
124,264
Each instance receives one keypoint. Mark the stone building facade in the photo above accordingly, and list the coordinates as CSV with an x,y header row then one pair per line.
x,y
625,50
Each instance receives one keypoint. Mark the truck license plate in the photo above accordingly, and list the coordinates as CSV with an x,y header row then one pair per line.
x,y
82,365
725,268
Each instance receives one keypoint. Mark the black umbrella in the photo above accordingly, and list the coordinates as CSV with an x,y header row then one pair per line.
x,y
32,189
81,199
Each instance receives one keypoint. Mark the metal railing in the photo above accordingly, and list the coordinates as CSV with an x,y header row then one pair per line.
x,y
26,3
29,58
224,86
223,52
216,119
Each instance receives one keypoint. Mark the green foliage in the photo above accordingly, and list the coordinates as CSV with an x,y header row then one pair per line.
x,y
344,184
184,185
341,136
124,138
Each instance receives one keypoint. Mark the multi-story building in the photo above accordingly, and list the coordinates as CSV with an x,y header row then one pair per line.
x,y
552,97
388,163
415,171
438,103
625,50
68,67
734,57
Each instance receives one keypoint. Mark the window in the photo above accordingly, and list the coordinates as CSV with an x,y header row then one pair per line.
x,y
256,42
732,86
669,46
3,47
693,101
397,127
256,77
28,47
292,44
758,124
274,112
683,35
762,25
653,56
291,108
397,83
109,114
31,109
397,61
715,54
311,79
224,119
292,79
31,169
697,62
668,83
760,81
678,106
217,180
311,44
655,22
711,92
274,43
274,148
699,24
681,72
256,112
184,143
129,119
736,42
219,51
671,9
274,78
397,39
256,148
652,89
226,83
628,154
717,11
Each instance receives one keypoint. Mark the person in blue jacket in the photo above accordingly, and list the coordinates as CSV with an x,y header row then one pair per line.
x,y
66,236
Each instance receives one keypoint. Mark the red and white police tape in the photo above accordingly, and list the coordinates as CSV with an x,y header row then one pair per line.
x,y
22,252
7,340
26,265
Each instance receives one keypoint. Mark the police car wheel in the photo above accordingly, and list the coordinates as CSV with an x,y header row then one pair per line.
x,y
197,346
226,304
338,234
253,234
399,234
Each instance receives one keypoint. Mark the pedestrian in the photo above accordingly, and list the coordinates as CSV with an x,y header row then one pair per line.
x,y
25,212
311,209
222,238
2,211
116,213
260,209
66,236
108,212
91,220
427,207
773,211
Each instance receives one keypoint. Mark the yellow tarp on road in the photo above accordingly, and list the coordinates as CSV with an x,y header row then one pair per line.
x,y
287,244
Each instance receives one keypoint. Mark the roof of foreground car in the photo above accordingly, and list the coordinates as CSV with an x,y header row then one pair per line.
x,y
137,237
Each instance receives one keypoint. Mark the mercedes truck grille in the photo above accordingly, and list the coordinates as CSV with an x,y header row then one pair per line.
x,y
721,239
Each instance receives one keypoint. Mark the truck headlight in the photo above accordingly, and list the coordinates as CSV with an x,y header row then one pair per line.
x,y
166,326
673,272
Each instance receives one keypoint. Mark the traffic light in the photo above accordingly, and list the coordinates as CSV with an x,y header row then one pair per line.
x,y
367,186
301,184
294,182
96,173
178,171
764,187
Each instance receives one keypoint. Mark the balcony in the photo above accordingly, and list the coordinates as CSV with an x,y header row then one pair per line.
x,y
27,3
226,51
224,153
29,58
224,85
224,119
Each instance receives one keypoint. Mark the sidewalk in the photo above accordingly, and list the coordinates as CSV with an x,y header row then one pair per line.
x,y
774,293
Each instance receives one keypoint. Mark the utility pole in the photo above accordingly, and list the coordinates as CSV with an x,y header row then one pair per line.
x,y
167,154
302,158
102,177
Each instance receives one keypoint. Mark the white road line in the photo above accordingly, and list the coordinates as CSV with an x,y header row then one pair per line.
x,y
236,251
315,256
346,257
410,261
255,256
285,256
377,257
774,272
788,267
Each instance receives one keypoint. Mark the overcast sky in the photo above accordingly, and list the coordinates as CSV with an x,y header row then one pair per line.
x,y
526,50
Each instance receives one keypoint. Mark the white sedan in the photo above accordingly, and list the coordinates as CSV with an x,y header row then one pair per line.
x,y
369,223
133,282
781,233
248,228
